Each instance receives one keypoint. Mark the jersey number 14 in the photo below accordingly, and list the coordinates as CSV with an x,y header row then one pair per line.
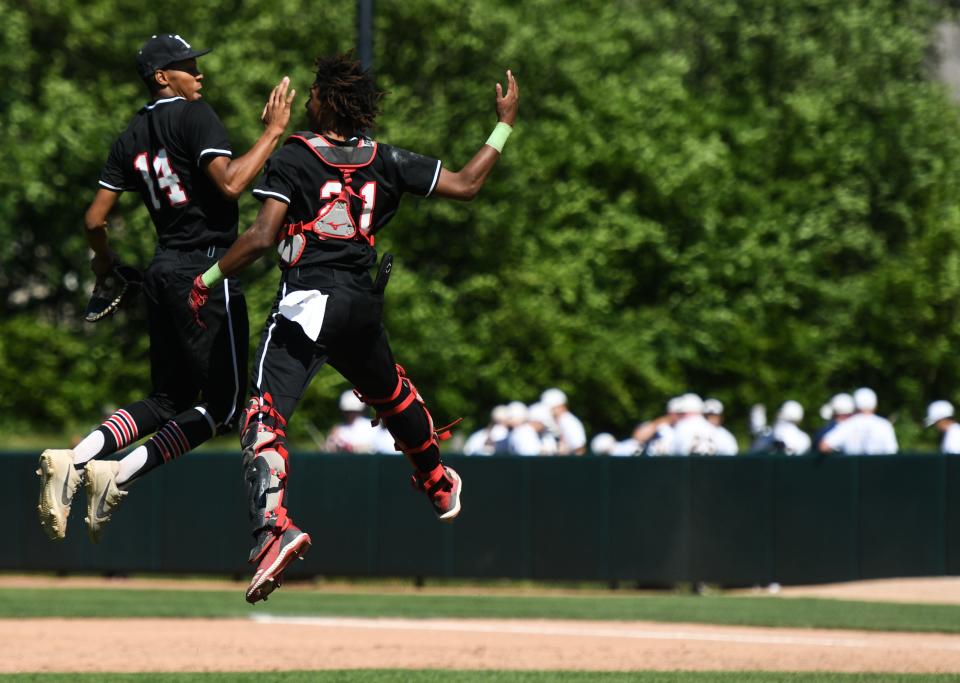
x,y
166,178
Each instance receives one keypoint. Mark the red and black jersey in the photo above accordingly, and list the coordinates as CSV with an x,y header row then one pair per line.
x,y
161,156
320,229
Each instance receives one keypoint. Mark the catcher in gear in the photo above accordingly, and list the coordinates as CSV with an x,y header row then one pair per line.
x,y
326,194
176,155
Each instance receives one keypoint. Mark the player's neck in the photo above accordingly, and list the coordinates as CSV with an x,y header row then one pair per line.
x,y
333,136
165,94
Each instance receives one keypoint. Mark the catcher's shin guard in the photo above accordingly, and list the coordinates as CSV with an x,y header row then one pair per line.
x,y
265,467
405,415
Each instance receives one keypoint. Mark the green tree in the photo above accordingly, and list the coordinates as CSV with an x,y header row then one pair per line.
x,y
753,200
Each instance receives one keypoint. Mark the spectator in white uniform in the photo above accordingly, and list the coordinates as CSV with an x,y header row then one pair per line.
x,y
540,418
572,438
526,437
787,436
864,433
355,433
629,446
836,411
713,412
604,443
826,414
693,434
383,441
940,415
484,441
500,431
654,437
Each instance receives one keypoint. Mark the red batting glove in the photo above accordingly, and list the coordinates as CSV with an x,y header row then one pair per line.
x,y
197,299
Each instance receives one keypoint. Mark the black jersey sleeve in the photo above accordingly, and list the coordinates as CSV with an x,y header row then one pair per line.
x,y
115,175
279,177
414,173
204,134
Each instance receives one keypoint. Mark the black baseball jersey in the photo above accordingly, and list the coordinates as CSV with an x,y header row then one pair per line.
x,y
296,176
160,155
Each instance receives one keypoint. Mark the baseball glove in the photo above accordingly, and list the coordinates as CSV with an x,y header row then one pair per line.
x,y
115,289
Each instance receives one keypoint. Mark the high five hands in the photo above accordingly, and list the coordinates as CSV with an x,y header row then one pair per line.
x,y
276,112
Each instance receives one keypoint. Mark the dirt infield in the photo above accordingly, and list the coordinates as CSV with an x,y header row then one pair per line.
x,y
168,645
943,590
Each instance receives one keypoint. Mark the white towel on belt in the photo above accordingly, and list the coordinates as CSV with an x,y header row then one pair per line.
x,y
306,308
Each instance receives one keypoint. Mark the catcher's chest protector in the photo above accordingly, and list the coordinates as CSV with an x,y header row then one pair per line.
x,y
335,219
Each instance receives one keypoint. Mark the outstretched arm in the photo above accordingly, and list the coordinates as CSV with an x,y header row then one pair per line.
x,y
257,239
250,246
466,183
231,176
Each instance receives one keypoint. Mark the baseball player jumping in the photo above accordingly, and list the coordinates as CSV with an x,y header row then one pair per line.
x,y
326,194
175,153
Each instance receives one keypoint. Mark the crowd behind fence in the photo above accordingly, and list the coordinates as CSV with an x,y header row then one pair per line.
x,y
691,425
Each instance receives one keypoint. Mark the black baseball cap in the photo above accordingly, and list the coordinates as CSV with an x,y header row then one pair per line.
x,y
163,50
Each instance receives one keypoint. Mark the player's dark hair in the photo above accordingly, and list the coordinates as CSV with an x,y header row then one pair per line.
x,y
350,101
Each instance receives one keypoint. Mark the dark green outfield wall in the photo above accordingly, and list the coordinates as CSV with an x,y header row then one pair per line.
x,y
743,520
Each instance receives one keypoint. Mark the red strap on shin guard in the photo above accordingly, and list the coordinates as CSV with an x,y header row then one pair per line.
x,y
263,405
419,449
392,397
283,522
436,436
430,479
399,408
444,433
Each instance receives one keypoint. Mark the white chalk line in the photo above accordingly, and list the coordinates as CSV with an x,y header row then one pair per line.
x,y
883,641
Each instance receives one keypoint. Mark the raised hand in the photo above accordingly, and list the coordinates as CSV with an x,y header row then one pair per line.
x,y
276,112
507,103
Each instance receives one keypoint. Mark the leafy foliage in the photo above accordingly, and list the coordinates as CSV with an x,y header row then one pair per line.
x,y
752,200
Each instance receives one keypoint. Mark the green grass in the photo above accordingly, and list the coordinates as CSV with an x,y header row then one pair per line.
x,y
743,611
437,676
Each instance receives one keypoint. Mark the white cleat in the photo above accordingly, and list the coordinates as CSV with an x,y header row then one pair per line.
x,y
59,481
103,496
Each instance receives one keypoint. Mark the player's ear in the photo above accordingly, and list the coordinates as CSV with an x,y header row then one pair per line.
x,y
160,77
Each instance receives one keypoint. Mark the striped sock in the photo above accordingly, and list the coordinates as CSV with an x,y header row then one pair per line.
x,y
170,441
122,428
118,431
181,434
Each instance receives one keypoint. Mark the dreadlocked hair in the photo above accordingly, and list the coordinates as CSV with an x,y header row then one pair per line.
x,y
349,98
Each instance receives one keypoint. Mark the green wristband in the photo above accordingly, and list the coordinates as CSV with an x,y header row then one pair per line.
x,y
213,275
498,138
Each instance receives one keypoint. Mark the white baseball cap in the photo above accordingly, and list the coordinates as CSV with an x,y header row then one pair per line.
x,y
349,403
602,443
936,411
790,411
553,397
516,412
690,403
500,414
712,406
539,412
673,405
865,399
842,404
